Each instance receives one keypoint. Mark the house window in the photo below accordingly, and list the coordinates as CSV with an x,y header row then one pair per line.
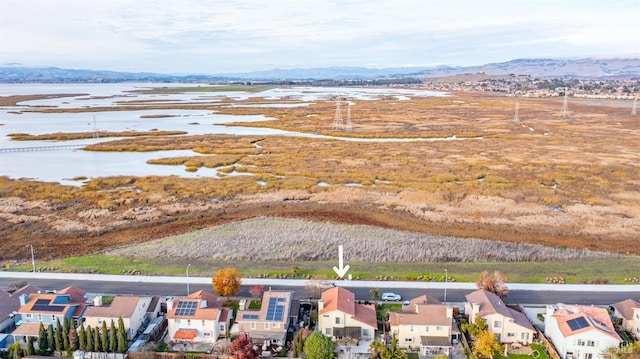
x,y
411,328
188,321
591,343
580,342
53,318
337,320
28,315
439,328
100,321
327,331
511,335
253,325
222,328
177,321
365,332
426,329
275,325
206,334
326,315
203,323
524,336
588,356
266,325
40,317
408,340
497,324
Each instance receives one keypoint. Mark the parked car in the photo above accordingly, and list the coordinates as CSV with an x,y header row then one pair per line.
x,y
391,296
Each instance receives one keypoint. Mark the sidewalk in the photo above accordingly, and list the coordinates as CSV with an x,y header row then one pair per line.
x,y
304,282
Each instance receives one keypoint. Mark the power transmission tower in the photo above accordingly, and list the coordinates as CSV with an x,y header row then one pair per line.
x,y
348,127
565,105
516,118
337,119
634,108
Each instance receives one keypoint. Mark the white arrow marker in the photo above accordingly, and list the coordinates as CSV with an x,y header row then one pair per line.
x,y
340,270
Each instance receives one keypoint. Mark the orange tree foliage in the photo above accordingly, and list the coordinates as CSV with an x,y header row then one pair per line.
x,y
493,283
226,282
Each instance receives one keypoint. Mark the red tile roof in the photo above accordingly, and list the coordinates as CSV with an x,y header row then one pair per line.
x,y
343,300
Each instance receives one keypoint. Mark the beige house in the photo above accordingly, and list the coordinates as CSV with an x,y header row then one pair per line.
x,y
580,332
340,317
198,317
424,323
509,325
269,323
132,310
628,313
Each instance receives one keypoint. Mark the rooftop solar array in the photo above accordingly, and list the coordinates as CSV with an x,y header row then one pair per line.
x,y
577,323
275,311
186,308
250,316
598,324
43,305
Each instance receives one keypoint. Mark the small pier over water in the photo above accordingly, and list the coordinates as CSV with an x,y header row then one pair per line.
x,y
41,148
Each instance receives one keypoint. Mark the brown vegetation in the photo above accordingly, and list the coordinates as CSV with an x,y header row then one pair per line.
x,y
569,182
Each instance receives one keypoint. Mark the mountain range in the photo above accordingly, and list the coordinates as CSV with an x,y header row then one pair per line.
x,y
538,68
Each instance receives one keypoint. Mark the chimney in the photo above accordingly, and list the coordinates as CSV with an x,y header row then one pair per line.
x,y
203,303
242,305
23,299
169,305
320,304
97,300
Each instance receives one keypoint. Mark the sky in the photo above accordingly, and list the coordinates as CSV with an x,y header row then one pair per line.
x,y
216,37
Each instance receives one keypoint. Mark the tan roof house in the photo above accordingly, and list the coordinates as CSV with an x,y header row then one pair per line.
x,y
132,310
425,323
509,325
340,317
198,317
628,312
268,324
580,332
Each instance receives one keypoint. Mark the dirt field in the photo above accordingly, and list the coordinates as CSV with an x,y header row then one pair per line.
x,y
569,182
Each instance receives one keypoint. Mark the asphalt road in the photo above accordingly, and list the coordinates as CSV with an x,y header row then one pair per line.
x,y
453,295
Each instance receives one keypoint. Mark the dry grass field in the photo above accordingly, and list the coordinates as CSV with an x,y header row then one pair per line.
x,y
547,180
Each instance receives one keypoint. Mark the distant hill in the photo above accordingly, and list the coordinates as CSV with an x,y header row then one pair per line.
x,y
540,68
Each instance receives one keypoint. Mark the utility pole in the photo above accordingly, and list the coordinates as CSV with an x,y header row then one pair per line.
x,y
33,259
188,265
337,119
446,280
565,104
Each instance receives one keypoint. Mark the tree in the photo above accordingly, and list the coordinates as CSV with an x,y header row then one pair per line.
x,y
256,291
394,352
14,351
31,349
42,340
97,347
51,341
65,334
242,348
104,337
226,282
493,283
89,345
122,337
298,343
58,336
485,345
318,346
376,348
73,339
375,293
476,327
113,341
82,338
629,351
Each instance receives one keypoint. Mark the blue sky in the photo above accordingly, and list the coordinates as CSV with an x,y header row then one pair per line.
x,y
197,36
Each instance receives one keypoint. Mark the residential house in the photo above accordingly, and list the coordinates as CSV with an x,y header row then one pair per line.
x,y
198,317
425,323
10,303
628,313
132,310
268,324
580,332
46,308
509,325
340,317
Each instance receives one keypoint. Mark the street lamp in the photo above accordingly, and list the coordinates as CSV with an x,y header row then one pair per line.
x,y
188,265
446,280
33,260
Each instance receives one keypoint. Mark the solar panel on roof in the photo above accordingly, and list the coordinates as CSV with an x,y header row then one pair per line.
x,y
577,323
275,310
250,316
186,308
42,305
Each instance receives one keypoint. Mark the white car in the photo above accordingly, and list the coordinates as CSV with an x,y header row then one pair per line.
x,y
391,296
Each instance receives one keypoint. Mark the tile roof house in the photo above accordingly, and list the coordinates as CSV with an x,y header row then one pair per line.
x,y
132,310
628,312
580,332
509,325
9,303
46,308
198,317
424,323
268,324
340,317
